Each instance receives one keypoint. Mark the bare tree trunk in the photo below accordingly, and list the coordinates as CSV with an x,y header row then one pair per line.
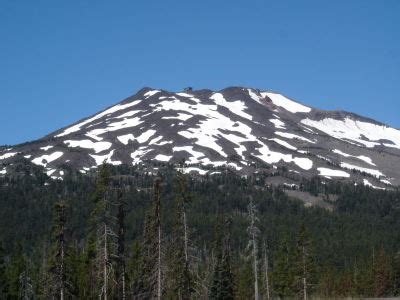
x,y
62,268
159,264
253,230
255,267
304,275
266,273
186,236
105,277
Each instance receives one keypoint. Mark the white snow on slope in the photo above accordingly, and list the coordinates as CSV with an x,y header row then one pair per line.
x,y
254,96
45,159
145,136
162,157
353,130
372,172
194,169
88,144
237,107
107,158
124,139
113,109
180,116
333,173
278,123
46,148
151,93
361,157
138,154
184,95
283,143
8,155
293,136
126,123
49,172
385,181
367,183
3,172
128,114
286,103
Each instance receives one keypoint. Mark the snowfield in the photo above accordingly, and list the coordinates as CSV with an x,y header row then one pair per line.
x,y
332,173
239,128
358,132
289,105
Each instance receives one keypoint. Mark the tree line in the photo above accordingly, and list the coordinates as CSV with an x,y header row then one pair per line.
x,y
172,236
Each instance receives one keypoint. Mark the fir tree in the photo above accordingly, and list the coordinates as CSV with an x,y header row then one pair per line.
x,y
180,275
151,278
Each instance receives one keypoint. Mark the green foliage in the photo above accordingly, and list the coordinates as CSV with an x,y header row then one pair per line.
x,y
344,256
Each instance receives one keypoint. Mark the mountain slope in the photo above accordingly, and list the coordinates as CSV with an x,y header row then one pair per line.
x,y
244,129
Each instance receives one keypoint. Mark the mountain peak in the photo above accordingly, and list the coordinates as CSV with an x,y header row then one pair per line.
x,y
244,129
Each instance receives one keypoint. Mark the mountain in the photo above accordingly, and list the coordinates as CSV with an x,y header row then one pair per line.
x,y
246,130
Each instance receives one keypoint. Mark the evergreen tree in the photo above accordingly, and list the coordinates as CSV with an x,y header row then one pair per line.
x,y
121,261
103,219
282,273
3,274
303,264
253,243
151,278
58,266
222,284
17,270
381,275
180,275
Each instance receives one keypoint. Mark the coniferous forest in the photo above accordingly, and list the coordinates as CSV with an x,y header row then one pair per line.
x,y
122,233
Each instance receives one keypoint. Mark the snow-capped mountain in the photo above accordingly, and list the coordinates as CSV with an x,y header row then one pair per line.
x,y
245,129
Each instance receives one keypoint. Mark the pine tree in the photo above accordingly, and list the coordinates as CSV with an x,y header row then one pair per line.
x,y
222,284
3,274
381,274
303,264
58,265
152,265
180,275
103,219
266,273
282,274
121,266
253,232
16,271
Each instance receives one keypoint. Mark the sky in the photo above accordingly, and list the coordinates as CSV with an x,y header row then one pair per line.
x,y
61,61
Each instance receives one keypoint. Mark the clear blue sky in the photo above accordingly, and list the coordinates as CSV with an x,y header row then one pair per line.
x,y
61,61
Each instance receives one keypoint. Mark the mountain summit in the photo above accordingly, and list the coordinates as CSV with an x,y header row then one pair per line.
x,y
246,130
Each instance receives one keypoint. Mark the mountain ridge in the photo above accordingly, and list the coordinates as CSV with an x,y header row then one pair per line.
x,y
248,130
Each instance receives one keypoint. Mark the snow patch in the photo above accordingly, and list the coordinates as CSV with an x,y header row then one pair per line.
x,y
289,105
367,183
332,173
361,157
88,144
181,116
357,131
162,157
372,172
106,158
46,148
8,155
46,159
237,107
113,109
151,93
278,123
